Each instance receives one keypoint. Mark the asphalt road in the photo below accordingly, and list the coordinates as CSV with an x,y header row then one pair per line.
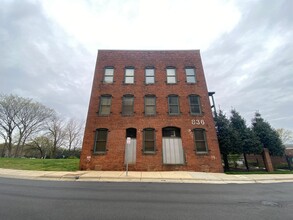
x,y
25,199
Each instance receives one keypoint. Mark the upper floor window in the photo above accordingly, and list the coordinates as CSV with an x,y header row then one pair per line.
x,y
128,105
171,75
129,75
100,140
149,140
190,75
173,105
109,75
105,105
150,105
194,103
200,141
149,75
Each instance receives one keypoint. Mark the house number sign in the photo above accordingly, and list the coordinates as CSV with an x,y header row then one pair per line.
x,y
197,122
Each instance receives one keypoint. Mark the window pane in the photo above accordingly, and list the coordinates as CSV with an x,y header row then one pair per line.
x,y
106,100
150,110
171,79
200,146
101,146
150,101
189,71
190,79
109,72
195,109
173,100
149,146
149,79
149,135
171,132
174,109
199,135
128,100
101,135
171,72
104,110
129,80
108,79
194,100
129,72
149,72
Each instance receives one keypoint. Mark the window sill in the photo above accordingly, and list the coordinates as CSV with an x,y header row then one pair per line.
x,y
127,115
196,114
149,152
150,115
103,115
201,153
100,153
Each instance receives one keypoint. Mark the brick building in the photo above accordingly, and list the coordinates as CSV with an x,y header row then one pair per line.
x,y
160,101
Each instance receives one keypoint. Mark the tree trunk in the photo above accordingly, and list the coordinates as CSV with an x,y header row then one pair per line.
x,y
226,162
246,163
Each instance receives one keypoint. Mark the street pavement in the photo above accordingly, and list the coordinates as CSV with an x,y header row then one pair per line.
x,y
135,176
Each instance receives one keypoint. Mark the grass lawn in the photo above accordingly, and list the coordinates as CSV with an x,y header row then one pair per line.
x,y
40,164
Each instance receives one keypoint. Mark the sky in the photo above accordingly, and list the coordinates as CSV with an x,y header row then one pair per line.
x,y
49,48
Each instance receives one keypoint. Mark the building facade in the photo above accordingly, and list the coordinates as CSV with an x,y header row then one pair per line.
x,y
150,109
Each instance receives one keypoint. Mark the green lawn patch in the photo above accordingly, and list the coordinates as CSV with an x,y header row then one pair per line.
x,y
40,164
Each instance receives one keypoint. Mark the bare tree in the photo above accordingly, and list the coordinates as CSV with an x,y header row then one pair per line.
x,y
285,135
9,108
56,133
73,132
30,119
42,144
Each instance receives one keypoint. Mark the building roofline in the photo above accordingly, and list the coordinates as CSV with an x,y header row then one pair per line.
x,y
121,50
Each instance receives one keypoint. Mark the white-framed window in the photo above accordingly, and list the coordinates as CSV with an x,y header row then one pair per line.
x,y
109,75
190,75
200,141
173,105
129,75
149,76
194,104
171,75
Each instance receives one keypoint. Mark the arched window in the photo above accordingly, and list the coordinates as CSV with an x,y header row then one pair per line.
x,y
149,75
150,105
148,140
128,105
194,104
171,132
173,105
100,140
109,75
171,75
200,141
190,74
105,104
129,75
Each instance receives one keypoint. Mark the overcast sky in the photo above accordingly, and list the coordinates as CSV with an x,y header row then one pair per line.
x,y
48,48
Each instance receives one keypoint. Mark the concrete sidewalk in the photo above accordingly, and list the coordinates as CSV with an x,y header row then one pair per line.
x,y
133,176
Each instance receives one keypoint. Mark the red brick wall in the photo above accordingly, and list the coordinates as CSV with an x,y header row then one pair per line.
x,y
117,124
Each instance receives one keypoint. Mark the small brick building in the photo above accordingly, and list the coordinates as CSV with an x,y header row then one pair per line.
x,y
152,109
